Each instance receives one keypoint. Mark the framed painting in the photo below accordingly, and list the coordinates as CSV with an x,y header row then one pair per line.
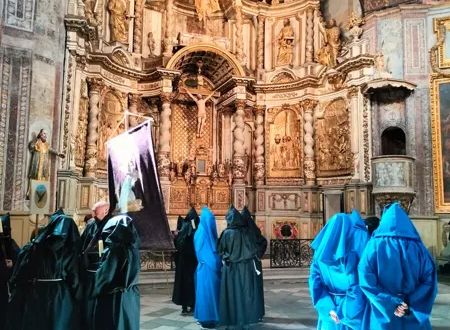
x,y
442,29
440,125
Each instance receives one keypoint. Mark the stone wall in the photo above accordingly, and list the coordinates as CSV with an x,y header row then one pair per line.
x,y
31,65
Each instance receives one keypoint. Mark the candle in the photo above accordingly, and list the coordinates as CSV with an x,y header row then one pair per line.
x,y
100,247
1,227
193,223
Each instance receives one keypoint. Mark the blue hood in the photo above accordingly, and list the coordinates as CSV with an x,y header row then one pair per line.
x,y
396,223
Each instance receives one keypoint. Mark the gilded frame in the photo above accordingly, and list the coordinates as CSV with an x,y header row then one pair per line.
x,y
441,28
441,202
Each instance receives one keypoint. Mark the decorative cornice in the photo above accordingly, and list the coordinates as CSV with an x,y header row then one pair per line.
x,y
380,84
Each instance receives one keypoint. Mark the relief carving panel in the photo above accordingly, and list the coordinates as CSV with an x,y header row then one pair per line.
x,y
333,153
80,139
285,202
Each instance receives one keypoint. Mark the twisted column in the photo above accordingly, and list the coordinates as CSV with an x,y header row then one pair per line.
x,y
309,35
238,35
168,29
95,87
164,136
352,96
239,169
259,145
260,57
307,107
138,13
133,103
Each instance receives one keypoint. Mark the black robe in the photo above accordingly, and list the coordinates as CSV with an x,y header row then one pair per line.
x,y
238,288
261,244
89,261
45,283
186,262
117,305
8,250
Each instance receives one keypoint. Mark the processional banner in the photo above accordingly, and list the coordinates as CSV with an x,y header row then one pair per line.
x,y
134,186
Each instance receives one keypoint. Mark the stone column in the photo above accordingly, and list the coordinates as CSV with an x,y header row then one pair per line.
x,y
164,136
260,57
239,35
259,172
133,104
168,29
308,107
352,97
138,13
309,35
239,169
95,87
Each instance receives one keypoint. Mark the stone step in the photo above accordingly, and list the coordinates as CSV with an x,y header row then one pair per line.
x,y
299,275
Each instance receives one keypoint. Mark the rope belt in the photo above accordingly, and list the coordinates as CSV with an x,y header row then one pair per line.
x,y
46,280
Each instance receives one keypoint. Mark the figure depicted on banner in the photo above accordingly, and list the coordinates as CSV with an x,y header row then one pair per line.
x,y
40,150
118,20
205,8
127,199
328,53
286,44
201,110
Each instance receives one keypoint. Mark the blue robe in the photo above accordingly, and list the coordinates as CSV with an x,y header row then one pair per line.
x,y
333,281
207,275
396,267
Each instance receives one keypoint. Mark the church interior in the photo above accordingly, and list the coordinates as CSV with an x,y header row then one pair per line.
x,y
296,108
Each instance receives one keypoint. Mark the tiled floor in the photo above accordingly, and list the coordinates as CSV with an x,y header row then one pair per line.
x,y
287,301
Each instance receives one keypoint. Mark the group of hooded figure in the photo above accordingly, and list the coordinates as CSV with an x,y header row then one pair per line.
x,y
385,280
220,280
61,280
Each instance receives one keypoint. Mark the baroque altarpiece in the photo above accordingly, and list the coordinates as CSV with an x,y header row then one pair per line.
x,y
257,104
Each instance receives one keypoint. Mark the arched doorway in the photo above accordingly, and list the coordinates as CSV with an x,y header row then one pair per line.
x,y
393,141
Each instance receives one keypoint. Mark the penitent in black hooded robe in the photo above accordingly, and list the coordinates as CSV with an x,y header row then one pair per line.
x,y
186,262
116,281
238,287
44,283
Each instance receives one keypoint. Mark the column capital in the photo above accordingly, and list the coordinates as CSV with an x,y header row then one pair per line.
x,y
240,104
259,110
308,104
352,92
134,98
95,84
167,97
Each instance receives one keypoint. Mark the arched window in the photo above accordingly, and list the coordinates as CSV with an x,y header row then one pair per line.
x,y
393,141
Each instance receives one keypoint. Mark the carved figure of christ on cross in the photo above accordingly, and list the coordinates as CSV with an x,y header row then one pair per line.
x,y
201,110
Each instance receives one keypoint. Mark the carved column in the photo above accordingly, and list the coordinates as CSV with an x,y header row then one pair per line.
x,y
138,13
259,144
168,29
133,103
239,35
95,87
309,162
352,96
164,136
239,169
260,58
309,35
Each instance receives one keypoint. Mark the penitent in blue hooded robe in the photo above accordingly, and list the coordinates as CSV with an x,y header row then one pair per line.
x,y
333,281
207,276
396,267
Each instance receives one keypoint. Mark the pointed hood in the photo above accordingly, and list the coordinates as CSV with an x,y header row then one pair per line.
x,y
331,244
192,215
6,224
119,230
357,220
396,223
180,222
234,218
208,228
246,215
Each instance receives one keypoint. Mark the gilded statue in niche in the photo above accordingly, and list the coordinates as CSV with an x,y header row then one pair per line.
x,y
109,124
333,154
205,8
328,53
284,143
118,20
80,140
286,44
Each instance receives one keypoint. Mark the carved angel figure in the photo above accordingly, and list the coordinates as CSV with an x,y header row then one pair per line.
x,y
205,8
328,53
118,20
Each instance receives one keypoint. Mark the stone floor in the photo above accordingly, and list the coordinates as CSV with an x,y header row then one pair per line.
x,y
288,306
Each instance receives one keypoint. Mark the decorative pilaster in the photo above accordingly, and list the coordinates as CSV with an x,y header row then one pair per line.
x,y
239,34
308,107
352,96
133,103
168,29
95,87
164,136
138,13
239,169
259,172
309,35
260,57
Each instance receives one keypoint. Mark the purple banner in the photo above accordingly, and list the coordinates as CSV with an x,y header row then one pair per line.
x,y
134,186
